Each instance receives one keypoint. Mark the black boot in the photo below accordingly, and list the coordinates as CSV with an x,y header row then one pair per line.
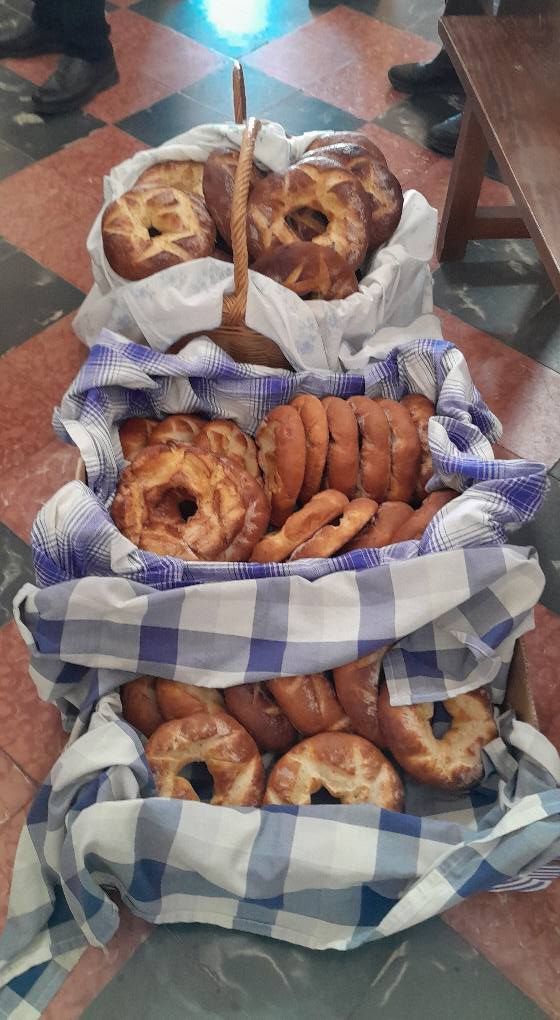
x,y
27,39
438,75
74,83
443,137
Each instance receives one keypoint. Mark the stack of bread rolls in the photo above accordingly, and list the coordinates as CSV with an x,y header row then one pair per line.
x,y
325,477
338,733
310,228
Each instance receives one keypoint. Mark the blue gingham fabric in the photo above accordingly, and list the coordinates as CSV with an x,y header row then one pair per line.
x,y
323,876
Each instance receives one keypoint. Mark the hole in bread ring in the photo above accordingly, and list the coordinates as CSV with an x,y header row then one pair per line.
x,y
228,751
452,761
232,509
150,229
335,193
349,767
376,179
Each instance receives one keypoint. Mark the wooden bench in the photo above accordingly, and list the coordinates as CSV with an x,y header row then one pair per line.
x,y
510,70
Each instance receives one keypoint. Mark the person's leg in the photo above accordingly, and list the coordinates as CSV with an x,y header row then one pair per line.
x,y
30,37
88,66
437,75
84,28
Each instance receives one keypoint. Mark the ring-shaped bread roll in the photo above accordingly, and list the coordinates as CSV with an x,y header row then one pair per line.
x,y
316,427
150,229
376,179
280,442
178,700
232,511
405,452
332,538
375,448
228,751
343,454
303,524
218,185
382,528
309,270
255,708
334,192
357,689
349,767
421,410
182,174
309,702
452,761
177,428
135,434
349,138
140,706
225,439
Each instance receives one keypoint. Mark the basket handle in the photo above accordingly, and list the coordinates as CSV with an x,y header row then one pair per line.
x,y
235,304
239,97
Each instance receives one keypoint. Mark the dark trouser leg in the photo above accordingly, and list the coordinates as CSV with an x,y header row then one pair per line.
x,y
81,23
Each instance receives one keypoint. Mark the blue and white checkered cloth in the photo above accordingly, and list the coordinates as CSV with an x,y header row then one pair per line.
x,y
324,876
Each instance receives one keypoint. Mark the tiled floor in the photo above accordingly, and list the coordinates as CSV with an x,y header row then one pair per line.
x,y
306,66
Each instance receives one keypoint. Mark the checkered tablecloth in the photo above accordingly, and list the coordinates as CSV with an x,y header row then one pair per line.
x,y
324,876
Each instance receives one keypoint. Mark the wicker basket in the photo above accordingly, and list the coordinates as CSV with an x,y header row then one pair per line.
x,y
234,336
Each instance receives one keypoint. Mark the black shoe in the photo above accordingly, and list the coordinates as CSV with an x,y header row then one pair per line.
x,y
27,39
443,137
74,83
438,75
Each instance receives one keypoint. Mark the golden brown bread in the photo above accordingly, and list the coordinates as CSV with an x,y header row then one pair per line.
x,y
332,538
382,528
452,761
182,174
177,428
231,515
405,452
343,452
309,270
218,184
357,689
350,138
375,448
150,229
309,702
376,179
178,700
323,507
218,740
334,192
416,524
255,708
134,434
349,767
140,706
280,442
316,427
421,410
224,438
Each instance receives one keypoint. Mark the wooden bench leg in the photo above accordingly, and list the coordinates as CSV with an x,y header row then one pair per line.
x,y
464,188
